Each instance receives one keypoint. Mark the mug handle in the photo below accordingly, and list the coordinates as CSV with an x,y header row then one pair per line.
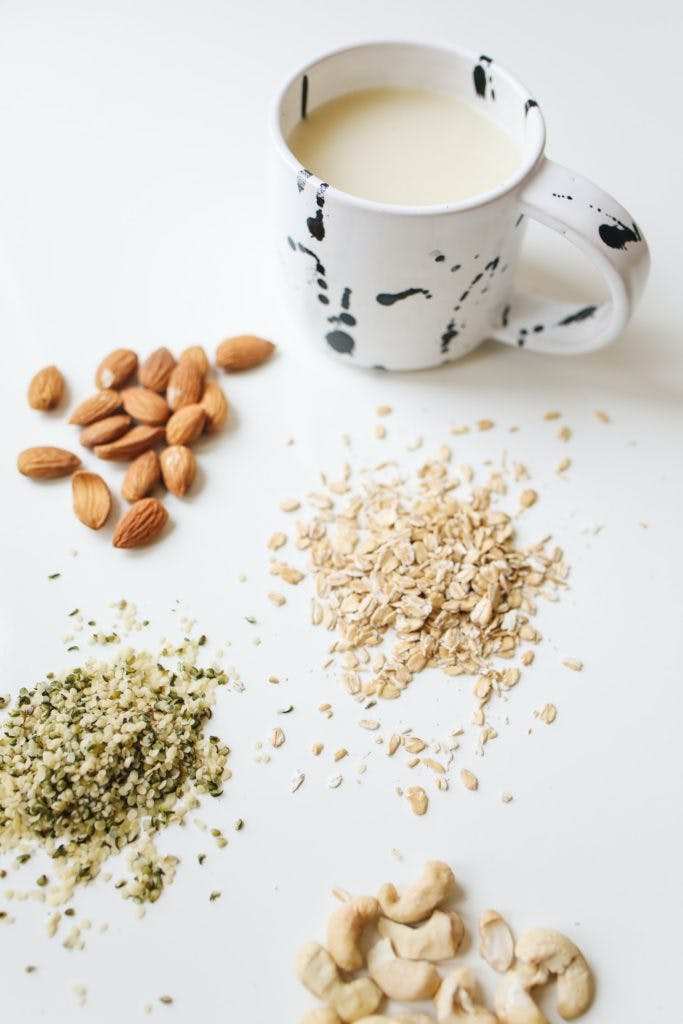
x,y
576,208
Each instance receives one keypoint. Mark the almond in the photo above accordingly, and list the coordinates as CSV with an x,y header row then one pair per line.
x,y
185,386
186,424
116,368
178,468
132,444
46,388
215,405
155,371
105,430
145,405
91,498
243,352
140,524
101,404
197,355
141,476
45,463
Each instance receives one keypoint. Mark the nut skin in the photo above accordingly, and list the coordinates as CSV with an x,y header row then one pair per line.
x,y
215,405
103,403
156,370
46,389
47,463
178,469
116,368
186,424
243,352
91,499
145,405
185,386
104,431
197,355
141,476
132,444
140,524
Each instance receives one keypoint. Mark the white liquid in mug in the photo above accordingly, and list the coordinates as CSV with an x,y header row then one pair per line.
x,y
407,146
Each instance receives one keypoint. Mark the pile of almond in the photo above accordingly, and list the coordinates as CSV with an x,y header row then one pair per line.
x,y
167,408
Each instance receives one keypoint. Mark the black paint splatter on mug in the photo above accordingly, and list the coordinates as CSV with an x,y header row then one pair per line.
x,y
617,237
389,298
529,105
302,177
315,224
482,78
581,314
448,335
304,97
341,342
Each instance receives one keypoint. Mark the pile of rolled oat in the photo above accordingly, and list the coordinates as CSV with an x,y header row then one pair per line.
x,y
438,571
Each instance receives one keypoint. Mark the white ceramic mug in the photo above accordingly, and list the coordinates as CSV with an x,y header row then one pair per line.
x,y
402,287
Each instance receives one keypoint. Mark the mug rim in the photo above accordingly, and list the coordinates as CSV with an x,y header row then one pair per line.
x,y
526,168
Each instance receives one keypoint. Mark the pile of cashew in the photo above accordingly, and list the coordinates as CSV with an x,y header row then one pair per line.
x,y
397,941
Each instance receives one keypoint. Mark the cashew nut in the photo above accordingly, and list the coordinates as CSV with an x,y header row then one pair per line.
x,y
554,952
437,939
404,980
345,929
321,1015
497,945
419,899
401,1018
317,970
456,1001
514,1004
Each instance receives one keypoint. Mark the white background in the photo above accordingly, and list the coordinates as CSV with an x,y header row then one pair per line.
x,y
133,211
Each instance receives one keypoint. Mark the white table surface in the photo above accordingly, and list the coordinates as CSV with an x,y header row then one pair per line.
x,y
132,212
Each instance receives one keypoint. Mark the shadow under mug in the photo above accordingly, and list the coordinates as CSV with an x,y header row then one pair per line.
x,y
403,287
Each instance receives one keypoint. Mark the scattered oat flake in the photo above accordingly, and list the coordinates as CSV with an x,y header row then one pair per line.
x,y
418,801
80,992
506,798
342,895
335,781
296,781
573,663
290,505
340,754
548,713
369,723
527,657
528,498
274,680
383,410
413,445
564,433
553,415
602,416
563,465
380,431
317,749
485,424
277,738
277,540
287,573
469,779
276,598
457,431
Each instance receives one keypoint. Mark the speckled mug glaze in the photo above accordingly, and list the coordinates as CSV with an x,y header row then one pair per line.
x,y
403,287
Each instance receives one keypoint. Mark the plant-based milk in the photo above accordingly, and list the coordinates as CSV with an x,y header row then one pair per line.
x,y
408,146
